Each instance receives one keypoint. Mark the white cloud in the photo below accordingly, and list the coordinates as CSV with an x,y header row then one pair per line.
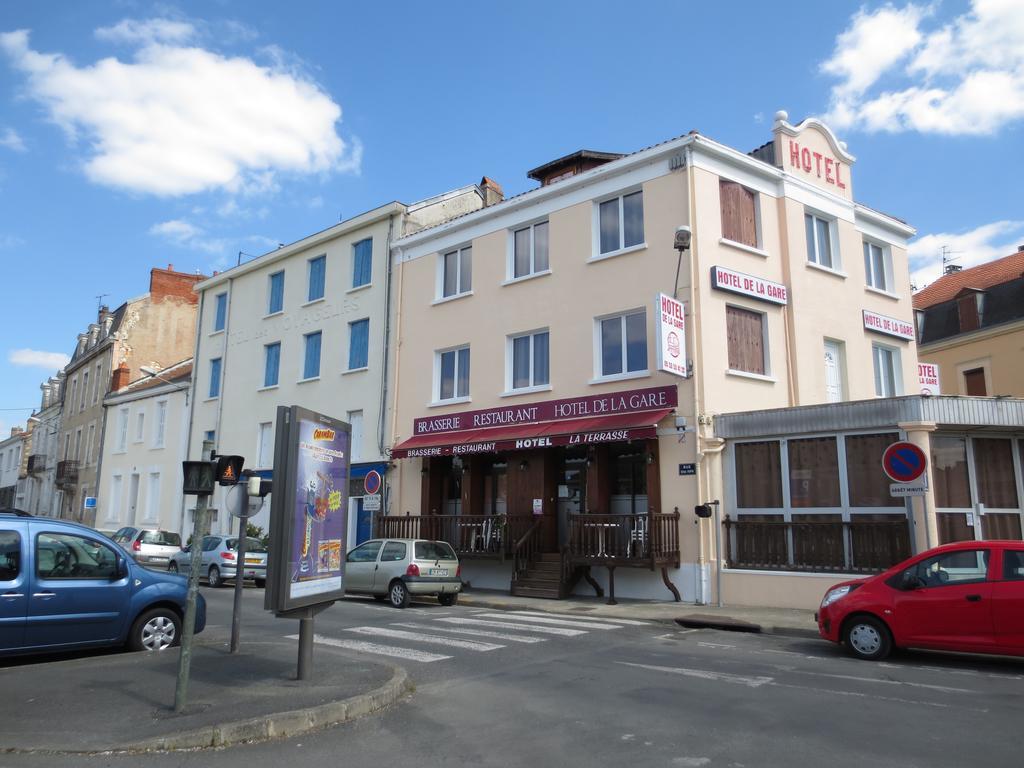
x,y
984,243
186,235
35,359
176,120
11,140
962,77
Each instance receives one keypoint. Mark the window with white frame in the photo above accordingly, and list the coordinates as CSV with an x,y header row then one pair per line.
x,y
89,443
275,293
358,344
220,315
122,429
621,342
745,339
271,364
161,424
530,250
878,266
362,262
355,421
85,391
116,483
888,382
311,358
153,496
317,278
452,374
620,223
457,272
215,377
528,361
140,425
820,240
265,445
97,386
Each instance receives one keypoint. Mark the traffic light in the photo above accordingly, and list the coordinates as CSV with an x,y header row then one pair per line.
x,y
198,478
229,469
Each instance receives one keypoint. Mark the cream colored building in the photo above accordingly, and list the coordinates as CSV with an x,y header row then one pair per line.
x,y
534,423
306,325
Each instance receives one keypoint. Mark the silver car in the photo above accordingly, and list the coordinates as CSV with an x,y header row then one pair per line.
x,y
220,560
150,547
397,569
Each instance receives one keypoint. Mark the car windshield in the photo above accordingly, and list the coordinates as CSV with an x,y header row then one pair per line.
x,y
161,538
434,550
251,545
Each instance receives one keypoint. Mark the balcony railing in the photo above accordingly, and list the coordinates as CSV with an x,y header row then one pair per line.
x,y
469,535
867,546
36,463
67,472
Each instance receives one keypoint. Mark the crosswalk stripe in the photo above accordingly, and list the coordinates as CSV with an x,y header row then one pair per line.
x,y
562,631
611,620
398,634
544,620
409,654
476,633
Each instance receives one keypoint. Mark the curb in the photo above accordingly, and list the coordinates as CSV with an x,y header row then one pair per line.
x,y
278,725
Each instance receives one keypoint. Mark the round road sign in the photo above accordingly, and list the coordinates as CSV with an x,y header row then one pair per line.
x,y
903,462
371,483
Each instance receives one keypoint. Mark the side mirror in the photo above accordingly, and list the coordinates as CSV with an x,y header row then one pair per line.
x,y
909,581
121,569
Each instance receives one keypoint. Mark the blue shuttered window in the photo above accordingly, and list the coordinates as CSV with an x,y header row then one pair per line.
x,y
276,300
272,364
362,262
215,377
317,277
311,363
358,345
221,315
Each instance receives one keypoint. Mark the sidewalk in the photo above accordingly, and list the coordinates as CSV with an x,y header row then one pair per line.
x,y
125,701
779,621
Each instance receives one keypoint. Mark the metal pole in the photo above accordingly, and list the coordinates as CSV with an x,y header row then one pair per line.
x,y
236,611
306,646
718,557
195,563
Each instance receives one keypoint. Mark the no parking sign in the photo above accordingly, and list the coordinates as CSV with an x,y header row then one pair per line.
x,y
905,463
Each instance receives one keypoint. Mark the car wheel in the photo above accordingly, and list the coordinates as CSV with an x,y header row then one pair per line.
x,y
398,594
261,583
448,598
155,630
172,567
214,577
867,638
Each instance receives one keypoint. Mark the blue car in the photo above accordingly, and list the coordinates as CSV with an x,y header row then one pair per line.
x,y
64,587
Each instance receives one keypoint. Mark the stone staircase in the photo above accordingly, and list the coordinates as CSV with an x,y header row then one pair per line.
x,y
542,579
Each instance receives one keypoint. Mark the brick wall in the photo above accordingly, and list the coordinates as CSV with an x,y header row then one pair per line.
x,y
166,283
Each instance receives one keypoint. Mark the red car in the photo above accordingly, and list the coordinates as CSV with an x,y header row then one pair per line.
x,y
967,596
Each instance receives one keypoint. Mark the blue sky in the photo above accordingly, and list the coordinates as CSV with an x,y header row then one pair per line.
x,y
138,134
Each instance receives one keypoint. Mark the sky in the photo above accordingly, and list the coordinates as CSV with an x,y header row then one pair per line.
x,y
139,134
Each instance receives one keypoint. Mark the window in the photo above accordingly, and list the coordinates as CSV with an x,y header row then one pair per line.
x,y
74,392
140,426
621,222
758,475
974,382
996,478
949,470
866,482
220,315
122,430
453,373
355,422
1013,564
358,344
969,310
877,266
66,556
744,330
215,377
317,278
271,364
813,472
161,424
96,387
623,343
311,360
365,553
529,360
210,435
10,555
819,241
739,213
153,496
393,551
530,250
886,370
116,483
362,262
457,272
275,293
88,444
85,391
962,567
265,444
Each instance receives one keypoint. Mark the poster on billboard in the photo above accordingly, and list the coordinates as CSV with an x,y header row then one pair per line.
x,y
671,328
308,513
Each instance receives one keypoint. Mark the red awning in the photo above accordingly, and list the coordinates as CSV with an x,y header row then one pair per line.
x,y
594,429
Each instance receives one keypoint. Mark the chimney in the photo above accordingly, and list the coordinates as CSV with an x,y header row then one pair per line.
x,y
1020,249
94,334
492,191
46,394
82,339
168,284
15,431
119,380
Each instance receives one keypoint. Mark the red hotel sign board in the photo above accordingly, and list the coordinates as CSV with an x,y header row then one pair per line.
x,y
747,285
890,326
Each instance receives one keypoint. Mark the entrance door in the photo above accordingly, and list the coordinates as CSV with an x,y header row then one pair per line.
x,y
833,372
133,499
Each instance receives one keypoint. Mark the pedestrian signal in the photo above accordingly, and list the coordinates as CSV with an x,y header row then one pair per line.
x,y
229,469
198,478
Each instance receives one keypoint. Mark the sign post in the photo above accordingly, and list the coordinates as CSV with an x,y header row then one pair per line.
x,y
905,463
308,522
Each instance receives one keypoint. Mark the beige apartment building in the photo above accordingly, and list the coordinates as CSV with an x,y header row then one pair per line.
x,y
555,410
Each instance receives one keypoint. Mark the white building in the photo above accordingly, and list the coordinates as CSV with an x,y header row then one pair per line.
x,y
307,324
11,496
144,437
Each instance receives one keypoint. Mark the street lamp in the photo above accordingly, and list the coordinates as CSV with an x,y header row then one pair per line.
x,y
681,243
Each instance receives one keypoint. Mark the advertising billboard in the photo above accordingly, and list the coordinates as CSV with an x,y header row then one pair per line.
x,y
308,513
671,332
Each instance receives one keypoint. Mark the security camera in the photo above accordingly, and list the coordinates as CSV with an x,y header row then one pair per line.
x,y
682,240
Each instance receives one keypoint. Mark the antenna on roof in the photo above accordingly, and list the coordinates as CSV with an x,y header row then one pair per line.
x,y
948,267
99,301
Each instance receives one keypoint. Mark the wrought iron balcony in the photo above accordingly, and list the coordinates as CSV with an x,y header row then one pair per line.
x,y
36,463
67,472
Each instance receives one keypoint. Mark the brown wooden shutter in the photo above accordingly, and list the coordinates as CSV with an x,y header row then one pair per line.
x,y
968,308
739,222
744,333
974,382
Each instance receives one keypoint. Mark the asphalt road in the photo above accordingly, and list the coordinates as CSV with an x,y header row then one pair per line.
x,y
501,688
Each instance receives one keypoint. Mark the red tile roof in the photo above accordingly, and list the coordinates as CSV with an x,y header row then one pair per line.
x,y
980,277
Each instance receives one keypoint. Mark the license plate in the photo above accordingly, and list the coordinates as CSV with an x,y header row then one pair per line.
x,y
438,571
252,561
